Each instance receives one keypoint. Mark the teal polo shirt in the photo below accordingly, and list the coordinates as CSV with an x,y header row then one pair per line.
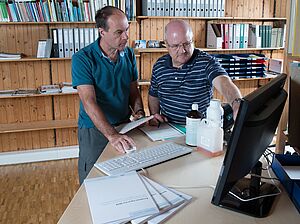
x,y
111,81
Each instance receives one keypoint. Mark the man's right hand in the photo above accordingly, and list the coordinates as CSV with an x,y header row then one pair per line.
x,y
157,119
121,142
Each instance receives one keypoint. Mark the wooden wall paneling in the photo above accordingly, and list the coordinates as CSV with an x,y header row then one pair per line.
x,y
20,30
240,8
281,8
199,33
144,94
145,29
145,66
134,33
33,117
11,39
41,116
228,8
246,9
3,37
26,118
269,8
160,27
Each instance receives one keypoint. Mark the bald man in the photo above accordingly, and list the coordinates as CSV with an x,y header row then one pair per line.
x,y
185,76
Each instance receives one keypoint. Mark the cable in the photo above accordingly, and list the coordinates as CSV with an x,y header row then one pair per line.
x,y
255,198
192,187
261,196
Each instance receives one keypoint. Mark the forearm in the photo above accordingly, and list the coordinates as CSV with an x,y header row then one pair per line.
x,y
135,100
153,103
227,88
88,98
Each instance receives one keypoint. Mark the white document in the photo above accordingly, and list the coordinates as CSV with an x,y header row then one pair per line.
x,y
124,128
163,132
165,198
116,199
177,199
162,217
293,172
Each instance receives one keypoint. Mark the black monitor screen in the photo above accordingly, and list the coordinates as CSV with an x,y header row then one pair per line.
x,y
254,129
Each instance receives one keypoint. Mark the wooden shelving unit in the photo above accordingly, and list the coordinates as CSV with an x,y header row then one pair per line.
x,y
41,121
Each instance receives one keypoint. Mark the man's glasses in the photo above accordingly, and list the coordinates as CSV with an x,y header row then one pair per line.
x,y
185,45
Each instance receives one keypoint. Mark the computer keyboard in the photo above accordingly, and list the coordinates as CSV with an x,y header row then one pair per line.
x,y
142,158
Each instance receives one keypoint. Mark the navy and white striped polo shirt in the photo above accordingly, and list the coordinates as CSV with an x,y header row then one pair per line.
x,y
178,88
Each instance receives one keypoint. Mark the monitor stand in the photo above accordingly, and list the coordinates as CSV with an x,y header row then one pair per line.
x,y
247,188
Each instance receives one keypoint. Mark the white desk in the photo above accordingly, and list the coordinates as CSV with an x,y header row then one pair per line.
x,y
191,170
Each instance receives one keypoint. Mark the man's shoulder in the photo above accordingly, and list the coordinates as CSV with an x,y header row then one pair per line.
x,y
162,60
203,54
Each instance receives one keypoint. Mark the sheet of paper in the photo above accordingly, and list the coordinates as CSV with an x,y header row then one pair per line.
x,y
293,172
124,128
168,199
167,214
115,199
163,132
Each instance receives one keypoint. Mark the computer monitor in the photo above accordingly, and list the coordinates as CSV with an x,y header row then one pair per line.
x,y
254,129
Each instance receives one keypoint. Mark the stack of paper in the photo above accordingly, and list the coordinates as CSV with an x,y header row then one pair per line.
x,y
131,197
9,56
55,88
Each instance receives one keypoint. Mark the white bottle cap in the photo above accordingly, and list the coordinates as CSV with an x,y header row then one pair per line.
x,y
194,106
215,102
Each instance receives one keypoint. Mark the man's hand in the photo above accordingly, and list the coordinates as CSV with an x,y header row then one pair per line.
x,y
157,119
138,115
121,142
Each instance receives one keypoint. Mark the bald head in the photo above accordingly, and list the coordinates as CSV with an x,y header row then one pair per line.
x,y
177,29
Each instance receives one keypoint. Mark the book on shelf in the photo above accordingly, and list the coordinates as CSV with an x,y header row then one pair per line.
x,y
55,88
18,92
44,48
10,56
66,87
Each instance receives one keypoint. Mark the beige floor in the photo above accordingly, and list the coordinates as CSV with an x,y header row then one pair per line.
x,y
36,192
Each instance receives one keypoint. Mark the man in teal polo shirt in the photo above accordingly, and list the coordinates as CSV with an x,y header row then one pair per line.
x,y
105,76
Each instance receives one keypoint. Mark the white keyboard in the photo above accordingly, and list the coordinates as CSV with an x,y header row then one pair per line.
x,y
142,158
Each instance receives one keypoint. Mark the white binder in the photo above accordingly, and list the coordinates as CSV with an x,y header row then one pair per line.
x,y
76,40
71,42
66,43
60,43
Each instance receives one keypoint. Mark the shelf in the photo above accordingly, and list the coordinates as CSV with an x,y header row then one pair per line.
x,y
27,59
33,59
164,50
36,95
52,23
37,126
45,23
212,18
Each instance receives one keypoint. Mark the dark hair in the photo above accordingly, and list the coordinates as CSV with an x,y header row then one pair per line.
x,y
103,14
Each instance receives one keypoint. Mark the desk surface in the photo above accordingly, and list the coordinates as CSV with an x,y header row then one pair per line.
x,y
194,169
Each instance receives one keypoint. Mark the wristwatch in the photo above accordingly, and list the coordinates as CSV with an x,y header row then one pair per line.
x,y
236,100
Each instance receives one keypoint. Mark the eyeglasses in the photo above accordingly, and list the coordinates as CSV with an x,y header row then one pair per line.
x,y
185,45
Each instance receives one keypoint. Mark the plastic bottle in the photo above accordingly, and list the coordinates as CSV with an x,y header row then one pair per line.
x,y
210,137
193,119
215,112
